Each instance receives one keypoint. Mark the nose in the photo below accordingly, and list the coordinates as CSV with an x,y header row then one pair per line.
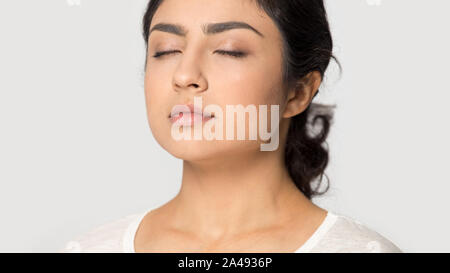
x,y
188,75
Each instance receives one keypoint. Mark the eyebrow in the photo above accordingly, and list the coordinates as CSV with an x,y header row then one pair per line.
x,y
208,29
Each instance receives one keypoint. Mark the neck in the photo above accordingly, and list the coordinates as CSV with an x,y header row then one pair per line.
x,y
234,195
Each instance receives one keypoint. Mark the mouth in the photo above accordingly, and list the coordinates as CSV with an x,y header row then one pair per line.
x,y
187,115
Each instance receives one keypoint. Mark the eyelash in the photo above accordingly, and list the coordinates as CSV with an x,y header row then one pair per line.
x,y
234,54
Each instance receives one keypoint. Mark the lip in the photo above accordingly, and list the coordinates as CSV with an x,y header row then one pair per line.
x,y
188,114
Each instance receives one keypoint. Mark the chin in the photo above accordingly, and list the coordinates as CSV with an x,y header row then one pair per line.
x,y
190,150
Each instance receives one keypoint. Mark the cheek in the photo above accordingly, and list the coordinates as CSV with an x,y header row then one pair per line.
x,y
156,100
249,86
156,86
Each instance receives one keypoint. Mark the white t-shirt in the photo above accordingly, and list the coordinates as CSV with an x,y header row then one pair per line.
x,y
337,233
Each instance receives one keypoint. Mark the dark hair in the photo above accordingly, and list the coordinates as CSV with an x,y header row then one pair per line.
x,y
307,47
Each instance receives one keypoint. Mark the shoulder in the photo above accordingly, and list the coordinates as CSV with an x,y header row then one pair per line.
x,y
350,235
108,237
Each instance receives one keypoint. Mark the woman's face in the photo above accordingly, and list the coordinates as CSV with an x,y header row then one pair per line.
x,y
195,68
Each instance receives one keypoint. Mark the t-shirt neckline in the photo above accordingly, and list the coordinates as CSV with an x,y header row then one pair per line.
x,y
313,240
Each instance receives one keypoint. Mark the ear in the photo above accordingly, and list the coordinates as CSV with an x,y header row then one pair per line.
x,y
301,96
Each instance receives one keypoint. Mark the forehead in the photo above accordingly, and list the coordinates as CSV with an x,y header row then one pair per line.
x,y
194,16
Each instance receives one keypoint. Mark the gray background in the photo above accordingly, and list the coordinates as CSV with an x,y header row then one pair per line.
x,y
76,150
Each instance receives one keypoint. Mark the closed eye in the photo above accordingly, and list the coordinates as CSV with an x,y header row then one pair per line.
x,y
235,54
161,53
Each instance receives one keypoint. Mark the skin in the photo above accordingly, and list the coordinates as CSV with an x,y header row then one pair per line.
x,y
233,197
